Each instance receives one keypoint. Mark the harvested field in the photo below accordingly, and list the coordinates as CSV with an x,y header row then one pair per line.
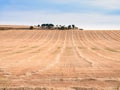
x,y
60,60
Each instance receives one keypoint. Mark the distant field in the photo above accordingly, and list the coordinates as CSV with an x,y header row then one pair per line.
x,y
10,27
60,59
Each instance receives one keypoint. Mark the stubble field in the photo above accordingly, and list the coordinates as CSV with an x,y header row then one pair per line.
x,y
58,59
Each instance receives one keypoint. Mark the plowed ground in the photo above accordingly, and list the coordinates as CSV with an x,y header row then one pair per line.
x,y
60,59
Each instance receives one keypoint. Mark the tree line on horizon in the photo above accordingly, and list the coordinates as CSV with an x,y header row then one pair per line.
x,y
52,27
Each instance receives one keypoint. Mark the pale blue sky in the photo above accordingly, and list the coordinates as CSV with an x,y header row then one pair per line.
x,y
88,14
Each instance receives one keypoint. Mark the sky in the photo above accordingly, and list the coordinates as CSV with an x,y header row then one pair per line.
x,y
86,14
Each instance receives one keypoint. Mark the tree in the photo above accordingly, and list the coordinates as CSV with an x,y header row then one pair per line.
x,y
73,26
43,26
31,27
38,25
69,27
50,26
62,27
47,26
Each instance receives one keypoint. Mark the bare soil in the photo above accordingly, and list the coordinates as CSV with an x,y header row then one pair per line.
x,y
60,60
